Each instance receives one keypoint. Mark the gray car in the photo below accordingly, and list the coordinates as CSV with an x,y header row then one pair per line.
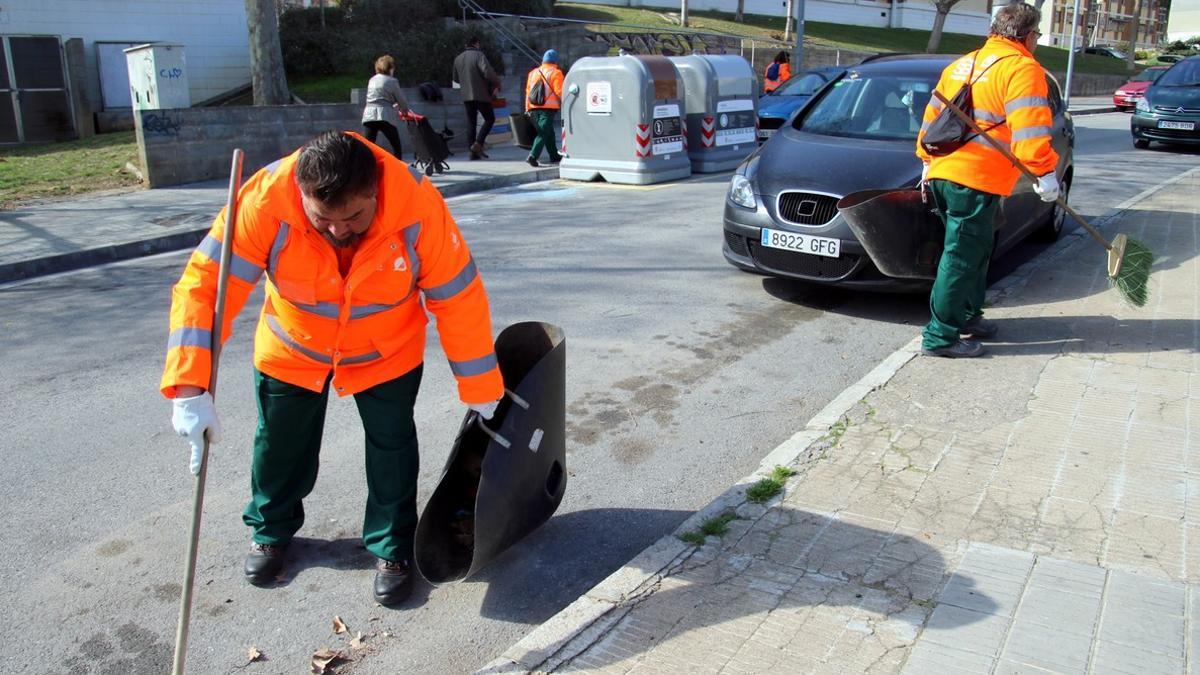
x,y
858,133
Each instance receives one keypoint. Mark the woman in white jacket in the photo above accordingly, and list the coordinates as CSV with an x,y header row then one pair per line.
x,y
385,102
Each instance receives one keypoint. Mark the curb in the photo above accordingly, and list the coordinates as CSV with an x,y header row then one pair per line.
x,y
1093,111
100,255
579,625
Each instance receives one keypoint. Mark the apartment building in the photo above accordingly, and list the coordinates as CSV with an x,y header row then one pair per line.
x,y
1106,22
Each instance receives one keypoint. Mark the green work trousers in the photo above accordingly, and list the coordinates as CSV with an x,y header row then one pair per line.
x,y
958,291
543,124
287,445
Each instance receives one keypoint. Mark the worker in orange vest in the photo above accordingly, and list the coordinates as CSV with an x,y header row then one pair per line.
x,y
355,247
1011,103
543,100
777,72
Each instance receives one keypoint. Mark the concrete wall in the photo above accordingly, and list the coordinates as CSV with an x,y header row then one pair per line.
x,y
213,32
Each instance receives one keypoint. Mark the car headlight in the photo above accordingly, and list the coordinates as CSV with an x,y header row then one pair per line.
x,y
1143,105
741,192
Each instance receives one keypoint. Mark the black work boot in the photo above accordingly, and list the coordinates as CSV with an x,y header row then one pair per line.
x,y
264,562
963,349
393,581
980,328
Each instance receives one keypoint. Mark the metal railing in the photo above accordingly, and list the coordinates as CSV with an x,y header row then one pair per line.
x,y
490,20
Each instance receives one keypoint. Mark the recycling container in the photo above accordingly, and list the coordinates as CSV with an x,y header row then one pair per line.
x,y
720,110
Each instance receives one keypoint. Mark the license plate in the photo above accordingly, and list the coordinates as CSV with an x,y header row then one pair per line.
x,y
802,243
766,133
1168,124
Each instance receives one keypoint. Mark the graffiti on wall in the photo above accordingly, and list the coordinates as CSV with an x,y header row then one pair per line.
x,y
666,44
154,124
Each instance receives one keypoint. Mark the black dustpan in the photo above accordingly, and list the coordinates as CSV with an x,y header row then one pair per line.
x,y
505,477
900,231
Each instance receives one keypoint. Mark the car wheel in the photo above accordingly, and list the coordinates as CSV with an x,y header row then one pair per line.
x,y
1141,143
1053,227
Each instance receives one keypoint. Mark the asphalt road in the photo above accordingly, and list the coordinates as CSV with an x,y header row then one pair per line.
x,y
682,374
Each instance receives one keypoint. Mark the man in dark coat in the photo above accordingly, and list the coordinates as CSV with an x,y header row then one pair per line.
x,y
478,82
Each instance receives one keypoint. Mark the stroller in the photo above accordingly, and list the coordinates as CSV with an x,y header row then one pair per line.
x,y
429,147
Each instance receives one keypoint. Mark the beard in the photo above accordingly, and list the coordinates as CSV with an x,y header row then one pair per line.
x,y
345,242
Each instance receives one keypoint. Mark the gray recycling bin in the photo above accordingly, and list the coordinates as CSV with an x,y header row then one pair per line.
x,y
623,121
720,109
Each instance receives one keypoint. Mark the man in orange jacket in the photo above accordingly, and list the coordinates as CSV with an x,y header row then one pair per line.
x,y
541,113
1011,102
355,247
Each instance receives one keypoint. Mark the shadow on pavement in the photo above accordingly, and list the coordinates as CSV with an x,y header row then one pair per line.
x,y
1091,335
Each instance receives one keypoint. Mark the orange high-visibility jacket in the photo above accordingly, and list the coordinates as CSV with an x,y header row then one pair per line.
x,y
366,328
554,81
1013,96
785,74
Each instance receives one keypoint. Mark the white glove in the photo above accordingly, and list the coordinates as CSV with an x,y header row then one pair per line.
x,y
191,417
924,173
1047,187
485,410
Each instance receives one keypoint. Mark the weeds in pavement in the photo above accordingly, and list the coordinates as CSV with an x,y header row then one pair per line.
x,y
769,486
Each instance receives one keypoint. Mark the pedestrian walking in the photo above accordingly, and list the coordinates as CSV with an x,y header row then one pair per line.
x,y
777,72
356,247
1011,102
385,102
479,83
543,100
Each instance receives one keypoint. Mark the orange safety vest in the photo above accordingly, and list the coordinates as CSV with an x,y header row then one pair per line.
x,y
366,328
554,86
1013,96
785,74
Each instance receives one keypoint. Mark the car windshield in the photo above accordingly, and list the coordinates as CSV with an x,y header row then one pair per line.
x,y
804,85
888,107
1182,74
1147,75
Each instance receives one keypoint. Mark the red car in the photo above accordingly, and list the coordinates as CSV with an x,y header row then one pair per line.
x,y
1127,96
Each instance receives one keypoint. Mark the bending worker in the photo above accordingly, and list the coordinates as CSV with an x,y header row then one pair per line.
x,y
355,248
1011,103
543,100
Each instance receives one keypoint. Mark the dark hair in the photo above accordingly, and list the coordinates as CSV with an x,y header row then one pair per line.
x,y
473,41
781,57
334,167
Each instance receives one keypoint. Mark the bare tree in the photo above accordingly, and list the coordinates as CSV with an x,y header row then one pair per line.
x,y
939,22
1089,17
266,56
740,15
1135,22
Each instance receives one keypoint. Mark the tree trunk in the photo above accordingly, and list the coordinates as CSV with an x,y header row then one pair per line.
x,y
939,22
266,56
740,15
1089,15
1134,24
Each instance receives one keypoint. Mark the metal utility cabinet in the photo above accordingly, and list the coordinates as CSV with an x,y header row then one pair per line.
x,y
158,77
623,121
720,108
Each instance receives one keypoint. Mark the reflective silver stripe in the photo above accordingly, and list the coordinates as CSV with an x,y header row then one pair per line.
x,y
978,140
1031,132
456,285
329,310
1025,102
362,358
273,166
239,267
190,337
477,366
985,116
410,244
925,126
417,175
936,104
286,339
277,246
360,311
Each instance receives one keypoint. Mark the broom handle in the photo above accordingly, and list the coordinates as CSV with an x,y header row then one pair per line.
x,y
185,602
1021,167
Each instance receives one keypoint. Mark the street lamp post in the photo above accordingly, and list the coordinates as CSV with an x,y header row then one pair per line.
x,y
799,5
1071,55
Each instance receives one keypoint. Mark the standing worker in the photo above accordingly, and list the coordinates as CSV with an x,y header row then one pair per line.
x,y
1011,102
543,100
777,72
479,83
385,102
355,248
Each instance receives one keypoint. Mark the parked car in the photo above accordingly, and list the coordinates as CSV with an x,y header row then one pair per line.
x,y
1111,52
857,133
1169,112
1128,94
776,107
1170,58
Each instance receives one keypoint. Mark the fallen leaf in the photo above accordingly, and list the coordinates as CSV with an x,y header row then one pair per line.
x,y
357,642
339,626
322,658
253,654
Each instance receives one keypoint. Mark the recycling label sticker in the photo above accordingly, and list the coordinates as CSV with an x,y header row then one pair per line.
x,y
736,122
666,131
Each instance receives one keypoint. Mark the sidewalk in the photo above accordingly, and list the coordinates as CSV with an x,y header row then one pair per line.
x,y
1090,105
1036,510
72,233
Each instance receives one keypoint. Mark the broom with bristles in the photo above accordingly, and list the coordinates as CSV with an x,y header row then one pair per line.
x,y
1129,260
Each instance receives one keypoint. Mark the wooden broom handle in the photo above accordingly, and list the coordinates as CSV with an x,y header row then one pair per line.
x,y
1020,166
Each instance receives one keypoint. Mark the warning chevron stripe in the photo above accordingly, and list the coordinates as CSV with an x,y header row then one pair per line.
x,y
708,131
642,141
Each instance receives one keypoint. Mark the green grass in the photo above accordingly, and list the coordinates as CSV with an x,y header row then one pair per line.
x,y
769,486
331,89
858,38
716,526
694,538
72,167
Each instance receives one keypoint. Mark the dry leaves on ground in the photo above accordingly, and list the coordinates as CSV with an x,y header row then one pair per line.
x,y
339,626
322,659
253,655
357,642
